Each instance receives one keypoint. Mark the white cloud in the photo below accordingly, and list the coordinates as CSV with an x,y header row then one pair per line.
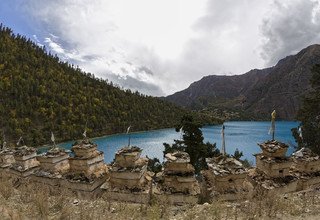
x,y
161,46
54,46
35,37
142,32
291,26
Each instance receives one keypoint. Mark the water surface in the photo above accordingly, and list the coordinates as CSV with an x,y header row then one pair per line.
x,y
243,135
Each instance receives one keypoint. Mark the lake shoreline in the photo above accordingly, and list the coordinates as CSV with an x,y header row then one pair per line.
x,y
243,135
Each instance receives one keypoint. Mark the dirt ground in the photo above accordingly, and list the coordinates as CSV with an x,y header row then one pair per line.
x,y
35,201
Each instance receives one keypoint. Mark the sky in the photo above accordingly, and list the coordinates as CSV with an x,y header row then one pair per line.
x,y
159,47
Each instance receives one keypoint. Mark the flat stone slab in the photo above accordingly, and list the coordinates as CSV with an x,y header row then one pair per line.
x,y
125,183
172,167
96,168
172,183
274,148
52,159
46,180
86,161
25,157
61,166
5,165
83,186
127,159
131,175
25,164
85,152
24,173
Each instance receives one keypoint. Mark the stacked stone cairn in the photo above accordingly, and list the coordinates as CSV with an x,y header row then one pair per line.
x,y
226,176
305,161
6,157
87,168
306,168
177,182
25,163
273,161
129,179
273,167
53,164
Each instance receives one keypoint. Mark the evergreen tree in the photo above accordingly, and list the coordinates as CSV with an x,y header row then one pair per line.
x,y
237,154
154,165
192,143
309,115
40,93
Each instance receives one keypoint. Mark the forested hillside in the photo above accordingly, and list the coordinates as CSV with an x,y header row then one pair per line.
x,y
39,94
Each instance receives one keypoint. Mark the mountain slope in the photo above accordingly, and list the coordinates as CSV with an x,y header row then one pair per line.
x,y
257,92
40,94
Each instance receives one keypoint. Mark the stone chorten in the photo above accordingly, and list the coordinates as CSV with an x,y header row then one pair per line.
x,y
87,160
306,168
306,161
53,163
6,157
273,161
87,170
178,175
225,174
129,170
25,161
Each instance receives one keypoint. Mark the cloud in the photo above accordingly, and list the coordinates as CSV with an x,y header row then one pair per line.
x,y
226,39
55,47
35,37
290,26
100,32
124,74
160,47
135,84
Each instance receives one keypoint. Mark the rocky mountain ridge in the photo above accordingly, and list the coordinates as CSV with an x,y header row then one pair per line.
x,y
256,92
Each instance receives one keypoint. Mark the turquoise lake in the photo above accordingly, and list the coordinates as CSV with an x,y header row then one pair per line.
x,y
243,135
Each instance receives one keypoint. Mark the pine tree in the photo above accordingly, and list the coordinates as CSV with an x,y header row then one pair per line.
x,y
40,93
192,143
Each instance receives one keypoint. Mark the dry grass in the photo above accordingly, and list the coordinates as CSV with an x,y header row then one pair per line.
x,y
6,189
37,201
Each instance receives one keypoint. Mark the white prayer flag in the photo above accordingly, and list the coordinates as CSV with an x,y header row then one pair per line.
x,y
19,141
273,124
52,137
128,129
300,132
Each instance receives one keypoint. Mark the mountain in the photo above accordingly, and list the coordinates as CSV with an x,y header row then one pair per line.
x,y
256,93
39,94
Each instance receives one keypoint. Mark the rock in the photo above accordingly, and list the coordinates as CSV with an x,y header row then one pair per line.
x,y
150,173
170,157
76,202
149,178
